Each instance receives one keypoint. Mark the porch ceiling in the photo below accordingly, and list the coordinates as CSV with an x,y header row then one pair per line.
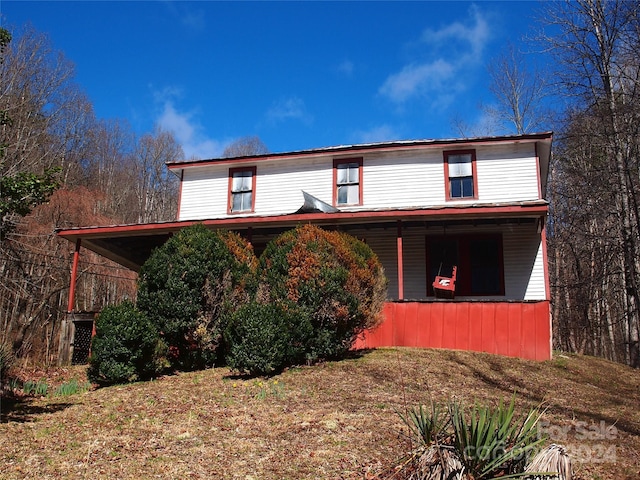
x,y
131,245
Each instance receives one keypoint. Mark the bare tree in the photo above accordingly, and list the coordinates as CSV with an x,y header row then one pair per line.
x,y
520,92
245,146
156,188
592,45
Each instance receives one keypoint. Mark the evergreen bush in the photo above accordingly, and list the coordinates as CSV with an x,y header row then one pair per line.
x,y
126,347
264,338
336,281
190,285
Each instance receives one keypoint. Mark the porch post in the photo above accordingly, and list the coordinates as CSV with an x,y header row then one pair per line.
x,y
400,263
74,275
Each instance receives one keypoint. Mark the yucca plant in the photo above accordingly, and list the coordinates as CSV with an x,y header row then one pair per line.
x,y
493,443
426,423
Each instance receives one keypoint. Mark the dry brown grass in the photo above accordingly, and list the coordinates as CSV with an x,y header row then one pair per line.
x,y
332,421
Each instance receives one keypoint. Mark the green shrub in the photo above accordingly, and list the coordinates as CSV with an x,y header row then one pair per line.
x,y
336,281
126,347
264,338
190,285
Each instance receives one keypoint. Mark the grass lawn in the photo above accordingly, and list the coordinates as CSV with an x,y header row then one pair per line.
x,y
337,420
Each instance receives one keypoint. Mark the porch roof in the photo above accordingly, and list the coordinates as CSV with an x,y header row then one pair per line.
x,y
131,245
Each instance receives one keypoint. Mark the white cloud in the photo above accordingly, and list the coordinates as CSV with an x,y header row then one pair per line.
x,y
291,108
451,52
346,68
418,78
380,133
192,19
185,127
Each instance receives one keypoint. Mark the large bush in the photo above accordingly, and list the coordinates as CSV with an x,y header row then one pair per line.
x,y
264,338
190,285
126,346
336,281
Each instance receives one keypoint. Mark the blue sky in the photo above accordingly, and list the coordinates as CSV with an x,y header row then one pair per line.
x,y
296,74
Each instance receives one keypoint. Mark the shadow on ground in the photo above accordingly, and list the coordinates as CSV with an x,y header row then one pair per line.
x,y
22,410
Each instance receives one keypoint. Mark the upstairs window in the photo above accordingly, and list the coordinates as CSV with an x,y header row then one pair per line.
x,y
241,189
460,169
348,181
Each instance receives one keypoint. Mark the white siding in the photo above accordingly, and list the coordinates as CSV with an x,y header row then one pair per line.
x,y
413,178
523,264
507,173
204,193
383,243
279,185
410,180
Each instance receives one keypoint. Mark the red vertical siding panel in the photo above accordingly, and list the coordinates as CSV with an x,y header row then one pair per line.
x,y
543,331
412,326
449,318
475,327
423,337
437,325
515,329
398,325
380,336
528,338
502,328
462,326
489,343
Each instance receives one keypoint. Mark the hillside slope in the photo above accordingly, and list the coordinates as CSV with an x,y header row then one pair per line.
x,y
329,421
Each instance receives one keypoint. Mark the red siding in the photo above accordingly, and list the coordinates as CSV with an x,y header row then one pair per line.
x,y
507,328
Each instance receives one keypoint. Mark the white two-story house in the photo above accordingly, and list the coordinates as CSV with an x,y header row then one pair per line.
x,y
424,207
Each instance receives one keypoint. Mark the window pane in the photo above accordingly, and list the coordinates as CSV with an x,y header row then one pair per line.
x,y
241,202
460,165
347,173
236,202
352,195
467,187
455,188
342,174
241,181
461,187
353,173
342,194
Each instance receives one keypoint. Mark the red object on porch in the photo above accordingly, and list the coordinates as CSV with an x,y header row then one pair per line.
x,y
445,287
514,329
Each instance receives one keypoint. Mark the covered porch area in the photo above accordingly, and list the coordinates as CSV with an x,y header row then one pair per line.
x,y
508,315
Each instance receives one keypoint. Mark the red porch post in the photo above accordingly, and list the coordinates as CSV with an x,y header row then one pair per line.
x,y
400,263
74,275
